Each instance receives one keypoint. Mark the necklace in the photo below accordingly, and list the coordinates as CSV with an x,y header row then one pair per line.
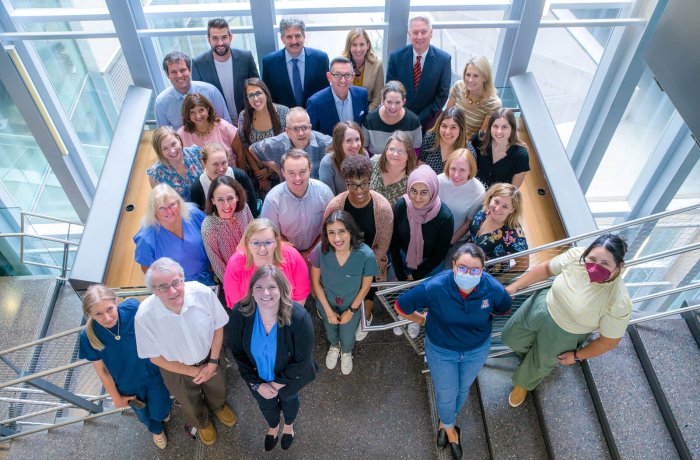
x,y
206,132
476,101
116,336
358,68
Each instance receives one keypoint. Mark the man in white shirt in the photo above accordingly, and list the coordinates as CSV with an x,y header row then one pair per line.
x,y
180,327
225,67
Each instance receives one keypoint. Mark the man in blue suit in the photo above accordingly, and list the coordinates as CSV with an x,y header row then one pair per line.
x,y
296,72
341,102
225,67
424,70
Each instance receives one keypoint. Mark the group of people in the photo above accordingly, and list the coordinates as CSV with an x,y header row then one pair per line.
x,y
305,187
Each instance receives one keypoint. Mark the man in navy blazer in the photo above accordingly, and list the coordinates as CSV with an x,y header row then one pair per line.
x,y
433,85
225,67
341,102
296,72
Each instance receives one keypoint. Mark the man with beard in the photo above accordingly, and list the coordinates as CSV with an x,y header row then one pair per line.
x,y
225,67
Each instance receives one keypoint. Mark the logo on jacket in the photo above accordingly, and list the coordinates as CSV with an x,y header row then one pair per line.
x,y
485,304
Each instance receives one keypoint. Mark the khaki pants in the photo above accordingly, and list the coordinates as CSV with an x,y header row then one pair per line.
x,y
534,336
197,400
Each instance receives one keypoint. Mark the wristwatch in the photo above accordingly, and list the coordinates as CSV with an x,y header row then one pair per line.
x,y
354,310
254,386
213,361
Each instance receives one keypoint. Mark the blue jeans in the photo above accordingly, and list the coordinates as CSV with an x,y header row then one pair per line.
x,y
453,373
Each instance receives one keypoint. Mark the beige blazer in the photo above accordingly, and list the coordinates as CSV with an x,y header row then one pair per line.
x,y
373,80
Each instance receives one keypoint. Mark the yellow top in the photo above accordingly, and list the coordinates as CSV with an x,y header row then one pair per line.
x,y
579,306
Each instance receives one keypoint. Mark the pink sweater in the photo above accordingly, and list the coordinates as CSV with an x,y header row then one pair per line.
x,y
237,277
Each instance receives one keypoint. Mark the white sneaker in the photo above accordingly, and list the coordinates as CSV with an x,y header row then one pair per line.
x,y
413,330
346,363
397,330
359,333
332,357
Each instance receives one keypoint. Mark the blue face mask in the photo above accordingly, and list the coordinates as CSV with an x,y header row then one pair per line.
x,y
466,282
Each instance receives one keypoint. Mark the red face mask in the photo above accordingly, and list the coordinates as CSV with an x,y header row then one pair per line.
x,y
596,273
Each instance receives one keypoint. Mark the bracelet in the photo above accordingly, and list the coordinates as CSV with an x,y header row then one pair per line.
x,y
354,310
576,358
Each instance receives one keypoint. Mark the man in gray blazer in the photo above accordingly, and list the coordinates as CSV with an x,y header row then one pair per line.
x,y
225,67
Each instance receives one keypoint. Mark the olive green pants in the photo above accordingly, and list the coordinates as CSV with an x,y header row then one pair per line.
x,y
538,340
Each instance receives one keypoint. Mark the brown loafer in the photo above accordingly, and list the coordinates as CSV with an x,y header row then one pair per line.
x,y
517,396
226,415
207,435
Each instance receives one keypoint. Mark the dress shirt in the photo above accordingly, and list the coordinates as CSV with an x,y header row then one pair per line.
x,y
301,64
344,107
422,58
185,337
272,149
169,103
299,219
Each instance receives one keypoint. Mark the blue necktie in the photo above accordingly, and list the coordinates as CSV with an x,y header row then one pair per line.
x,y
296,83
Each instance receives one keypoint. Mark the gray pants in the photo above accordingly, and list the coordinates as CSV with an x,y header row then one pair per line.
x,y
343,333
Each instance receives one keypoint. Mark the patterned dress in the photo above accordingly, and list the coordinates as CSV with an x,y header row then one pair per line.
x,y
391,192
165,174
256,135
221,237
500,242
430,153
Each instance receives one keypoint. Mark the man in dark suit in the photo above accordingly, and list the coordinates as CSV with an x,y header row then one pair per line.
x,y
424,70
296,72
225,67
341,102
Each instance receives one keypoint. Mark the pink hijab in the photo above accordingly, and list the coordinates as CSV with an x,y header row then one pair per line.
x,y
417,217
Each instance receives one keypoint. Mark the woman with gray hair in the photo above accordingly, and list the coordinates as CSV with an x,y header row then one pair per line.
x,y
271,338
173,228
109,342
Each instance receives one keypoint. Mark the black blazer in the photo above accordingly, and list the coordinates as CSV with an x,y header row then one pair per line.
x,y
295,366
197,191
276,77
204,69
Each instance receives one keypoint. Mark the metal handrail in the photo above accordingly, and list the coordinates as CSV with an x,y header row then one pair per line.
x,y
39,237
40,341
49,410
37,375
56,219
584,236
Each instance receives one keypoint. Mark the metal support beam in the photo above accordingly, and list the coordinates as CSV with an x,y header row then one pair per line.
x,y
93,253
124,22
568,196
396,14
263,14
148,50
525,38
665,171
614,83
506,45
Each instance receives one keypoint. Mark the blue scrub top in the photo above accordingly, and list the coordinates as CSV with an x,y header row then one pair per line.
x,y
154,242
119,356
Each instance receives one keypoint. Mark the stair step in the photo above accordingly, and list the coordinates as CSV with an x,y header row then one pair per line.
x,y
513,432
636,422
471,422
676,360
569,416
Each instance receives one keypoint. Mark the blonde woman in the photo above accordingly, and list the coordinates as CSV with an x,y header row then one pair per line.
x,y
475,95
496,227
367,67
108,340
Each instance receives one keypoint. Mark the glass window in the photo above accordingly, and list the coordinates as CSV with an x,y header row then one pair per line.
x,y
24,172
59,3
89,78
689,193
636,136
564,61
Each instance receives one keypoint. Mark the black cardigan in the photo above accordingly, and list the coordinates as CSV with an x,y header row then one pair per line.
x,y
197,192
294,367
437,234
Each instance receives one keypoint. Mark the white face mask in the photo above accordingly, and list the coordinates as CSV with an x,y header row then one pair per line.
x,y
466,282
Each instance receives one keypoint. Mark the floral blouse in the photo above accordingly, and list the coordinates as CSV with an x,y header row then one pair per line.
x,y
255,135
391,192
500,242
165,174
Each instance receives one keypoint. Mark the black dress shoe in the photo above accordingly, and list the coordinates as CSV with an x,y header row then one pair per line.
x,y
456,447
441,438
271,441
287,440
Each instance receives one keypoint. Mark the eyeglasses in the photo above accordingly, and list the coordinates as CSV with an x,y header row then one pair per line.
x,y
300,129
471,270
255,94
163,288
395,150
169,207
355,186
256,244
342,76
